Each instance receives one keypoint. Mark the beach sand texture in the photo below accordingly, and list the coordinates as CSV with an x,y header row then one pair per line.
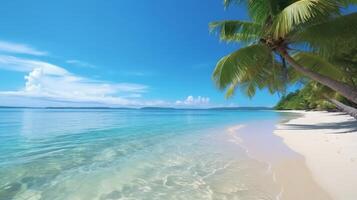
x,y
287,167
328,142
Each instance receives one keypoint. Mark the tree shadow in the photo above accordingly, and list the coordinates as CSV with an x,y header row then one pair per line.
x,y
346,127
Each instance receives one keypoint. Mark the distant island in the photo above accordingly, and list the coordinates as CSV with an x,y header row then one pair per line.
x,y
144,108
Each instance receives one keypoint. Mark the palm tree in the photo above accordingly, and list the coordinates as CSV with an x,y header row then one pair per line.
x,y
318,92
280,32
331,68
343,107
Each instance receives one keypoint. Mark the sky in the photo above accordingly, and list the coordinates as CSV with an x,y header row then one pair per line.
x,y
114,53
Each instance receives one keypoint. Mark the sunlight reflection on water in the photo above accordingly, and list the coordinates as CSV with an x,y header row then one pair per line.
x,y
127,154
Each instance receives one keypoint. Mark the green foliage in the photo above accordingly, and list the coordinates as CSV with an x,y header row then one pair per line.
x,y
292,101
324,38
252,67
341,66
241,65
302,100
235,30
291,25
346,61
318,64
302,12
313,96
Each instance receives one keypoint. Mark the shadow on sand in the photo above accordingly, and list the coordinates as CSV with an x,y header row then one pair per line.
x,y
338,127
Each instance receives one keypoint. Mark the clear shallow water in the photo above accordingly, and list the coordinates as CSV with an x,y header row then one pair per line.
x,y
128,154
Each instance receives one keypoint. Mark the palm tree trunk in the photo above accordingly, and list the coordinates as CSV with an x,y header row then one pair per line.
x,y
344,108
345,90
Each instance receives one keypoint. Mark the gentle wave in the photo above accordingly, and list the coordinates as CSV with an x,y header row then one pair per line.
x,y
132,154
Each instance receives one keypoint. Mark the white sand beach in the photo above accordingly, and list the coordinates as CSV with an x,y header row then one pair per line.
x,y
328,142
287,167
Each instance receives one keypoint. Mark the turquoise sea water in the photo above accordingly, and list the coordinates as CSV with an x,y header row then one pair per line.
x,y
128,154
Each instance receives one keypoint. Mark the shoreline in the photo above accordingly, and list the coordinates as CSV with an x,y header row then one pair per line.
x,y
262,145
328,143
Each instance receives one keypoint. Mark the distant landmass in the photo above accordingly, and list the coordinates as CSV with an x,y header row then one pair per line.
x,y
158,108
15,107
147,108
214,108
242,108
126,108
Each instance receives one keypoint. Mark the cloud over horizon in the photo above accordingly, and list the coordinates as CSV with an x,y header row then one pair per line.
x,y
16,48
49,84
192,101
48,81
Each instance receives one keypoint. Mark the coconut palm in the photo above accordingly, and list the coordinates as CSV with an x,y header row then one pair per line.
x,y
343,107
341,65
318,92
282,33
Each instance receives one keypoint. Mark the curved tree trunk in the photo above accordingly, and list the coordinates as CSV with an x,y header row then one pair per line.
x,y
345,90
344,108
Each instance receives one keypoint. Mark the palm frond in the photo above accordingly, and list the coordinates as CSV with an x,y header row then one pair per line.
x,y
248,88
267,77
346,60
277,79
302,12
325,37
250,68
260,10
346,3
231,90
234,66
235,30
318,64
345,57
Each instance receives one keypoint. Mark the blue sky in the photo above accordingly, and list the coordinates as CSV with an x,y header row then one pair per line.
x,y
116,53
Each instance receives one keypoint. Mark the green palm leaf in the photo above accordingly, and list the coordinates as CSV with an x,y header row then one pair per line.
x,y
276,80
259,10
235,30
302,12
250,81
248,88
232,68
325,37
318,64
249,68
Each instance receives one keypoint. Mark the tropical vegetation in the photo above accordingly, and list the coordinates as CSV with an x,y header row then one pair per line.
x,y
287,41
314,96
310,97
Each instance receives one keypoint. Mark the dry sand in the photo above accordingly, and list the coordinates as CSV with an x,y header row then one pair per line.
x,y
328,142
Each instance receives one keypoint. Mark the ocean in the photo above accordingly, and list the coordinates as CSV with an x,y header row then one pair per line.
x,y
83,154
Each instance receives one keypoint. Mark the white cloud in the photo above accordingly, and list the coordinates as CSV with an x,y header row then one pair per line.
x,y
16,48
13,63
192,101
47,84
45,80
80,63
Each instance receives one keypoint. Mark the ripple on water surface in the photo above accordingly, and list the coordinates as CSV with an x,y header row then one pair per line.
x,y
178,160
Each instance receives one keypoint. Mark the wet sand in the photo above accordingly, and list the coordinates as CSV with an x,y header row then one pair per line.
x,y
287,167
